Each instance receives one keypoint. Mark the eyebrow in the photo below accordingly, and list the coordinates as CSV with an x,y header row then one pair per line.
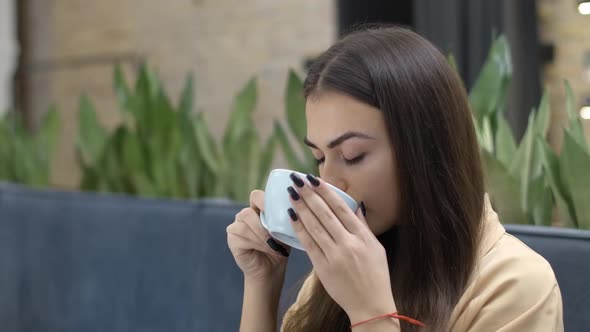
x,y
340,139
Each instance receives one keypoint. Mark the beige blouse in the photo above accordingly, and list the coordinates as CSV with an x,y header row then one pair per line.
x,y
513,288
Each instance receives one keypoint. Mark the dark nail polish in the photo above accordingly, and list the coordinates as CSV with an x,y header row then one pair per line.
x,y
363,209
274,245
294,195
297,180
313,180
292,214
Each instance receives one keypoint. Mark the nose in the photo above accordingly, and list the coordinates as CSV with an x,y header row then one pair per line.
x,y
335,180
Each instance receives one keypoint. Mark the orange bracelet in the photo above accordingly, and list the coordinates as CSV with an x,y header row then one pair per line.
x,y
392,315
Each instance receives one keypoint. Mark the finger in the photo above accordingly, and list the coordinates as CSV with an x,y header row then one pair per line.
x,y
257,200
347,218
315,253
314,227
240,237
321,209
249,217
239,244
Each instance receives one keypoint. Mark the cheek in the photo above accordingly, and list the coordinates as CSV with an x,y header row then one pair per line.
x,y
382,195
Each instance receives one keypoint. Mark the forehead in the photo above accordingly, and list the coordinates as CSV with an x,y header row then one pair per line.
x,y
332,114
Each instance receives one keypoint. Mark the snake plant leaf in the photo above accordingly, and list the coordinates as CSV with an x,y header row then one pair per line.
x,y
489,91
575,125
452,61
540,201
206,144
487,135
295,104
146,91
122,90
26,165
504,190
143,185
543,116
46,140
505,146
542,121
266,159
559,188
187,96
189,167
92,137
575,164
132,154
240,121
287,149
254,156
520,168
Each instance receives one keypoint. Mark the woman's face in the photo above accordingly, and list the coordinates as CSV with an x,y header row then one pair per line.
x,y
350,141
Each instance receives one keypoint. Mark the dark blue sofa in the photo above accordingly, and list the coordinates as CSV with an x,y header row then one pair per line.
x,y
86,262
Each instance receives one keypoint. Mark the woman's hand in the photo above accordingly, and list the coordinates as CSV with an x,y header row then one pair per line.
x,y
346,256
260,257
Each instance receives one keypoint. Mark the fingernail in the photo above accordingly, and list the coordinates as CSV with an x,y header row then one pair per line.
x,y
274,245
297,180
294,195
313,180
292,214
363,209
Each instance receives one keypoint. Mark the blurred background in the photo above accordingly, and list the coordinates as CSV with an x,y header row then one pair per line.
x,y
52,51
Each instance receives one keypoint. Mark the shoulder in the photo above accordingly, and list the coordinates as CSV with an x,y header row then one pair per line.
x,y
511,262
512,286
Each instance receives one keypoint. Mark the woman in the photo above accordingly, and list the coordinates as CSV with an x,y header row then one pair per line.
x,y
389,123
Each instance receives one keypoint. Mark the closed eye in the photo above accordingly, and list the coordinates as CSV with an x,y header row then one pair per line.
x,y
349,162
354,161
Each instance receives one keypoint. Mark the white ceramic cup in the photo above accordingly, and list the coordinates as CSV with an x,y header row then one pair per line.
x,y
275,218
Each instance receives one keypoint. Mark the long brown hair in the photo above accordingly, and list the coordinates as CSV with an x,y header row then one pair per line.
x,y
433,251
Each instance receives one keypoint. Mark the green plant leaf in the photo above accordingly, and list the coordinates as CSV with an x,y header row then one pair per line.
x,y
240,121
575,126
133,159
505,145
543,116
266,159
254,148
504,190
520,168
575,164
122,90
540,201
187,96
559,187
207,145
487,136
295,103
452,61
143,185
189,166
489,91
290,155
92,137
46,140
